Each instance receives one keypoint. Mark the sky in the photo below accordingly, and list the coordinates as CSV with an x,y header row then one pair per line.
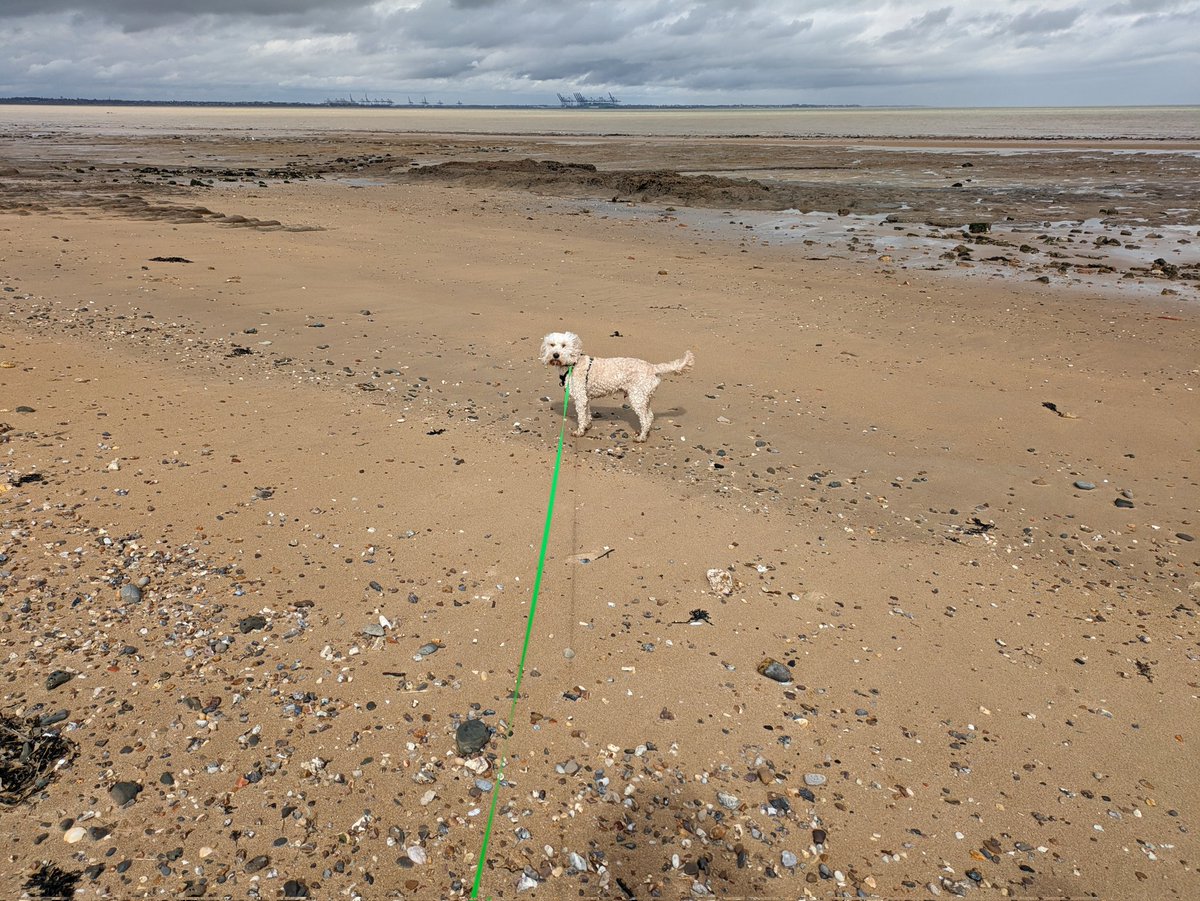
x,y
869,52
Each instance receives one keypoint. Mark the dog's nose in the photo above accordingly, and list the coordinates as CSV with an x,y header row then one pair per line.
x,y
556,355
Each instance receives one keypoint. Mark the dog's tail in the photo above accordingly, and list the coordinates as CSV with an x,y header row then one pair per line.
x,y
683,364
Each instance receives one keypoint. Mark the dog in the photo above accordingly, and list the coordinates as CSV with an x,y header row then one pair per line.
x,y
586,377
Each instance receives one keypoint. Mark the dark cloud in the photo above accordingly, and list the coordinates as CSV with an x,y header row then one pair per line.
x,y
156,10
1044,21
921,27
866,51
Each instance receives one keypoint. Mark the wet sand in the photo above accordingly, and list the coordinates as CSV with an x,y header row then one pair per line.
x,y
315,432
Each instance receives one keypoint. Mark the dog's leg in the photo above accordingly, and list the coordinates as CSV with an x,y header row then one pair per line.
x,y
584,414
640,401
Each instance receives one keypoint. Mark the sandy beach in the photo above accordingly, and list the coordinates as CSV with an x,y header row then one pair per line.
x,y
276,457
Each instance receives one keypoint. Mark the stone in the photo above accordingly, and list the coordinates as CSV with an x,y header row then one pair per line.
x,y
471,736
251,623
131,594
788,859
729,802
74,834
57,678
374,630
124,792
254,864
814,779
721,581
1124,503
1085,486
773,669
577,862
416,854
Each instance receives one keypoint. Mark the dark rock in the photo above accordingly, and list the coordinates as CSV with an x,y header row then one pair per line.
x,y
252,622
294,888
124,792
471,737
57,678
773,669
254,864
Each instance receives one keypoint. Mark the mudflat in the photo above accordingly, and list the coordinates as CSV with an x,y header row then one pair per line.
x,y
276,458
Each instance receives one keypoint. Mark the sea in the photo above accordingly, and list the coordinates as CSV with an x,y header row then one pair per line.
x,y
1099,123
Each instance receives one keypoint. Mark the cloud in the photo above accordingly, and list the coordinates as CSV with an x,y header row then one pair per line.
x,y
498,51
1043,21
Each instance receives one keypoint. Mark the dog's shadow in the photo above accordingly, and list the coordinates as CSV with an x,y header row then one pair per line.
x,y
623,413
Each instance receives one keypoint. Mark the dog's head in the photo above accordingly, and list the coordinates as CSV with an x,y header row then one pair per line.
x,y
561,349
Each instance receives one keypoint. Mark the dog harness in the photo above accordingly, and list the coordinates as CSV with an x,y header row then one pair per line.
x,y
562,376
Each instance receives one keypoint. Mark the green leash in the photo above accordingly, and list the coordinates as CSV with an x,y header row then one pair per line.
x,y
537,584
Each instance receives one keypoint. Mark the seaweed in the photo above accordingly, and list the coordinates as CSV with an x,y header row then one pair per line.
x,y
29,757
51,882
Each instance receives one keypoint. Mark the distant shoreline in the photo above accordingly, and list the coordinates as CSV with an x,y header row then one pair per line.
x,y
297,104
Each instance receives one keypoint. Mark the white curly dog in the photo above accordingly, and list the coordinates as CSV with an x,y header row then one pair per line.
x,y
601,376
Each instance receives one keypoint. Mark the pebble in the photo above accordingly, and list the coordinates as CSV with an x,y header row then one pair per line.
x,y
773,669
471,737
57,678
728,801
252,622
788,859
1184,536
124,792
254,864
577,862
416,854
74,834
1124,503
526,882
374,629
569,653
814,779
131,594
426,649
1085,486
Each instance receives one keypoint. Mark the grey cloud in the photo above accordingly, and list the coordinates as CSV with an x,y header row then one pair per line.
x,y
156,10
1133,7
1043,21
920,27
643,50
